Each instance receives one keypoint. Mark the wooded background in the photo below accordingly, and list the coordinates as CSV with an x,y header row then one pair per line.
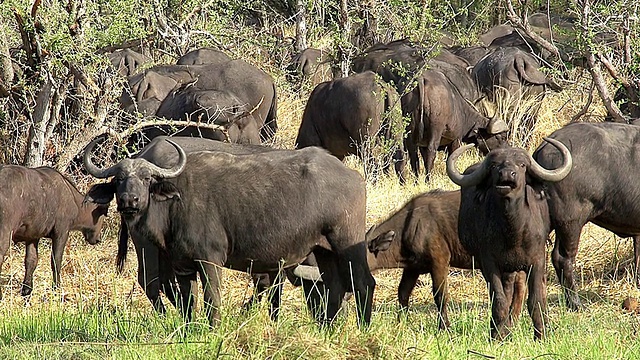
x,y
57,91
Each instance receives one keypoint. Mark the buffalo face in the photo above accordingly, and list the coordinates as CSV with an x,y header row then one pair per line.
x,y
134,182
93,230
506,169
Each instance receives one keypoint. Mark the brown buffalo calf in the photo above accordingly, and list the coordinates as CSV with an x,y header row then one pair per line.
x,y
41,202
427,242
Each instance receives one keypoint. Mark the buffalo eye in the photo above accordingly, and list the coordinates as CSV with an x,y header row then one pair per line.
x,y
522,165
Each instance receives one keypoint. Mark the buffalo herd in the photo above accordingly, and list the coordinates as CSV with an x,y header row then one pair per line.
x,y
193,204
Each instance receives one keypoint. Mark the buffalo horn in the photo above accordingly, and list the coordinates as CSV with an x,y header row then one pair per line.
x,y
497,126
464,180
175,170
91,167
556,174
307,272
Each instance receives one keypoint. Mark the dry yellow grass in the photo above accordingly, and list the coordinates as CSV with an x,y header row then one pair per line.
x,y
88,272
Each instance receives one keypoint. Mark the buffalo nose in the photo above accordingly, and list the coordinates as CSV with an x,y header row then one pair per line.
x,y
129,200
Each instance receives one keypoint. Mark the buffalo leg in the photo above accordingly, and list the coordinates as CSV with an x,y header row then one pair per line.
x,y
149,272
537,301
499,302
210,278
58,243
354,270
519,291
30,263
275,294
168,280
441,293
508,286
412,152
314,294
187,282
407,283
636,259
429,158
5,241
563,258
334,288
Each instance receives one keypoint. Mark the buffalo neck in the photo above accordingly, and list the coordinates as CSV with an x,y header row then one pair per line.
x,y
154,224
392,257
515,215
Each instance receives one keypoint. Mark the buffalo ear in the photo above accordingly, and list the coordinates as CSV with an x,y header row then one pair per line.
x,y
101,193
382,242
163,191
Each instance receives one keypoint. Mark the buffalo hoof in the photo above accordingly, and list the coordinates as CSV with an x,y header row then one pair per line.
x,y
574,304
25,290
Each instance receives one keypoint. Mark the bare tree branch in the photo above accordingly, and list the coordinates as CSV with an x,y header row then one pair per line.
x,y
6,66
523,24
586,106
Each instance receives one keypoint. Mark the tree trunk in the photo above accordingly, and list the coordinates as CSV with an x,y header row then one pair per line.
x,y
345,36
41,118
301,25
367,34
6,67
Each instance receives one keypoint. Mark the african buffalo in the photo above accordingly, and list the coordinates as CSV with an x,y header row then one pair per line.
x,y
472,54
218,107
126,61
147,90
504,223
234,79
196,211
396,62
442,117
203,56
514,70
422,238
41,202
601,189
313,64
153,273
343,115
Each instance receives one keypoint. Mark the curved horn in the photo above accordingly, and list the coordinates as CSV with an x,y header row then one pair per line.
x,y
556,174
464,180
91,167
307,272
497,126
176,169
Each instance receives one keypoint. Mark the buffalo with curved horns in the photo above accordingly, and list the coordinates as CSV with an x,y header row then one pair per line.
x,y
504,222
197,213
602,189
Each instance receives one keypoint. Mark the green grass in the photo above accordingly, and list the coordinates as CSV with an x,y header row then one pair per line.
x,y
107,329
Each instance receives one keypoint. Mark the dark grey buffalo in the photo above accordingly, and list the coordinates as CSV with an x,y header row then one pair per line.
x,y
126,61
312,64
218,107
441,117
154,274
203,56
347,115
514,70
148,89
472,54
299,202
39,203
422,238
237,79
601,189
504,223
396,62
